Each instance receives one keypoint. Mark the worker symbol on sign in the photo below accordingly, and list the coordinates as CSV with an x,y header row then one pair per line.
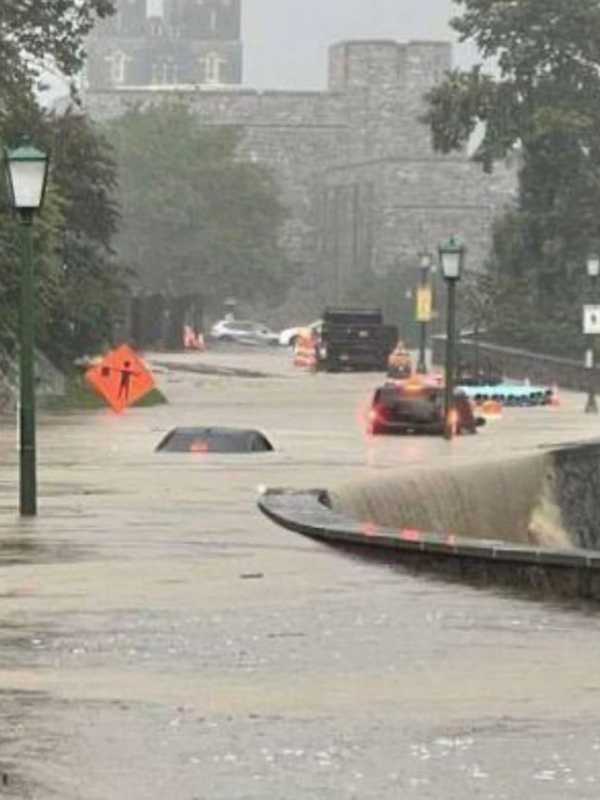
x,y
127,374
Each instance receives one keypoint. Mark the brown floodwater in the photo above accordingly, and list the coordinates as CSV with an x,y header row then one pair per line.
x,y
160,637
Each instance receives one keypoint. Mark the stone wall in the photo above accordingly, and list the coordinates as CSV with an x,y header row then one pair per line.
x,y
364,189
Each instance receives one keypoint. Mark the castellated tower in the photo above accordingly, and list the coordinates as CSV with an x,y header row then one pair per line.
x,y
152,43
384,82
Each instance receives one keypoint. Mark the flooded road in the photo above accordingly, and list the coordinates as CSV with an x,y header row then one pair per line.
x,y
159,637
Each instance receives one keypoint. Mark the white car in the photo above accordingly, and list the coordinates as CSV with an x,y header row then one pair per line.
x,y
243,332
288,337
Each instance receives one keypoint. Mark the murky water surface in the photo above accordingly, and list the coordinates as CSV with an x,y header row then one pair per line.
x,y
160,638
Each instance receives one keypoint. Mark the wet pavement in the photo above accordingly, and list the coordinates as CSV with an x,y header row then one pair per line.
x,y
160,638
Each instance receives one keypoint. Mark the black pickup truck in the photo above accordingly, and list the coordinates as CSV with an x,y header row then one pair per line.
x,y
355,339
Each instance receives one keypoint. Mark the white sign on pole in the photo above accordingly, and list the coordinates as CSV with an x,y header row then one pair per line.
x,y
591,319
589,359
154,8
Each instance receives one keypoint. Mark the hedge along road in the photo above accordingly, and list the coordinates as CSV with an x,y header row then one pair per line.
x,y
160,636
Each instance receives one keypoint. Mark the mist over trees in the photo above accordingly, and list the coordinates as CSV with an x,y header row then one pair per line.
x,y
37,34
196,218
78,281
542,105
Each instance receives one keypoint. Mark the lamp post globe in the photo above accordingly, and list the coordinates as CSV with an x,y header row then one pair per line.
x,y
26,174
452,257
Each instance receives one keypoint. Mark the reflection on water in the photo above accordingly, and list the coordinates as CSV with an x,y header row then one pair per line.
x,y
28,550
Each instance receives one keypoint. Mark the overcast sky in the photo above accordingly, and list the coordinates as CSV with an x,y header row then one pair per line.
x,y
286,41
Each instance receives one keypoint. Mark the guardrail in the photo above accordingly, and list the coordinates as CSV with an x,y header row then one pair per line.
x,y
519,364
573,573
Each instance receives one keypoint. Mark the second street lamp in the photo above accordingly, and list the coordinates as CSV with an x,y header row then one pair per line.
x,y
26,172
423,310
452,254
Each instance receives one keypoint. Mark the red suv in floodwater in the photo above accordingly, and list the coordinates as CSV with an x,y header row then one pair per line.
x,y
403,407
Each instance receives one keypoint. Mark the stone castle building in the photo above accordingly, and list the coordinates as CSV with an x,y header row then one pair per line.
x,y
166,43
366,192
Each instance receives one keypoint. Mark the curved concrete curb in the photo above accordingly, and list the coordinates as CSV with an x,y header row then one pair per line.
x,y
573,573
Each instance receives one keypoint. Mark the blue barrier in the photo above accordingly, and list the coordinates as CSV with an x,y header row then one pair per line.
x,y
510,394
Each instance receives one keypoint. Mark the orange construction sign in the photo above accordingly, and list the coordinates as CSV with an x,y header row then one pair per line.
x,y
121,378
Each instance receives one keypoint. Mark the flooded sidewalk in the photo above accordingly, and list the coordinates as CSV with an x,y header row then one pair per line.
x,y
159,637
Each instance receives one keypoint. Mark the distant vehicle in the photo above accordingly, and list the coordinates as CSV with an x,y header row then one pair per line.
x,y
355,339
400,363
243,332
404,407
289,336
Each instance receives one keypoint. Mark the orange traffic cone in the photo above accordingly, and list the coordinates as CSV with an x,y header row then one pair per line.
x,y
193,340
554,396
491,409
305,352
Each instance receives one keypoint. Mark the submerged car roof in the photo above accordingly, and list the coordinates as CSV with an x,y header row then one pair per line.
x,y
214,440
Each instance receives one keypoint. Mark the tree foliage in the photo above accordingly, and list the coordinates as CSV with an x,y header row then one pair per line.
x,y
77,279
541,102
92,280
36,33
196,216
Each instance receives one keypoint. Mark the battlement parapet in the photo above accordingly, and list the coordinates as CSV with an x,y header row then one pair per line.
x,y
373,63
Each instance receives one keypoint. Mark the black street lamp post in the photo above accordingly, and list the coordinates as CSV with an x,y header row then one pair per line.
x,y
423,311
593,270
26,171
452,254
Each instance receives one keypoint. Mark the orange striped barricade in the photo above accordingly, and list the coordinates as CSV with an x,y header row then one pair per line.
x,y
305,350
193,340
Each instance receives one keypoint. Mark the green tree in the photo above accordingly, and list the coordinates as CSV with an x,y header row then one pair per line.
x,y
92,282
78,282
544,102
196,216
37,33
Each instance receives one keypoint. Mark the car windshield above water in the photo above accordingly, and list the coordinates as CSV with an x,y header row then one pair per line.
x,y
420,404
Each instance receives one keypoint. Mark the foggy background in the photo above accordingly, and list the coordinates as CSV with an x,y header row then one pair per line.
x,y
286,41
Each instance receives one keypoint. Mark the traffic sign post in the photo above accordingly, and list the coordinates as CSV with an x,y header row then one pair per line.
x,y
591,327
591,320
